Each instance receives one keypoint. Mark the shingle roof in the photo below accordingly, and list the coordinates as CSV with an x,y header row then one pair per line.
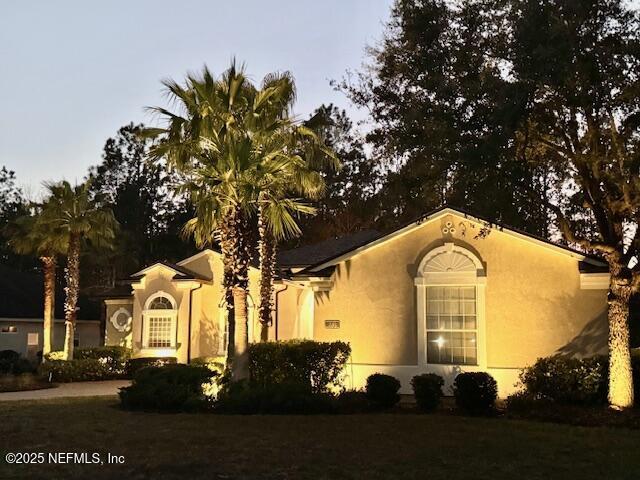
x,y
182,272
319,252
430,214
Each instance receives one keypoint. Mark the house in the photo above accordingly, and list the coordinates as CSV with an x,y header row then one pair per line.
x,y
21,315
446,293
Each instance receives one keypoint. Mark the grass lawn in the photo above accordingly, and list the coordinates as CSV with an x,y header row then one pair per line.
x,y
372,446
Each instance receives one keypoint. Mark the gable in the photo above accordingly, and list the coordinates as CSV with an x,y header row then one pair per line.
x,y
479,226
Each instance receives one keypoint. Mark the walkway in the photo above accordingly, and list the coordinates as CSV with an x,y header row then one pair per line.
x,y
79,389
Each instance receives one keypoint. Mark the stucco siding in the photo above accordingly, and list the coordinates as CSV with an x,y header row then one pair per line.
x,y
534,305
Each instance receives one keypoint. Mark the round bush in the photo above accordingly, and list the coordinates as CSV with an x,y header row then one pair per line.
x,y
7,360
475,392
567,380
382,390
174,387
427,390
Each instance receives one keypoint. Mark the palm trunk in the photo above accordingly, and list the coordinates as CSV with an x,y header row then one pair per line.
x,y
240,369
49,271
226,246
72,290
267,272
234,237
620,373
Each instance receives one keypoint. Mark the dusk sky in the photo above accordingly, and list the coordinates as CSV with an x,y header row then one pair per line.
x,y
73,72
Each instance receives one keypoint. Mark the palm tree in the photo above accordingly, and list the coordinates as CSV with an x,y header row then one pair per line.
x,y
231,139
291,156
81,218
207,140
29,236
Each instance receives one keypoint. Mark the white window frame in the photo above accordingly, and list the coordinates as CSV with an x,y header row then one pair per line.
x,y
468,276
148,313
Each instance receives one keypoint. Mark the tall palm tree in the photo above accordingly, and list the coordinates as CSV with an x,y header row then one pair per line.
x,y
81,218
291,156
29,236
229,140
207,140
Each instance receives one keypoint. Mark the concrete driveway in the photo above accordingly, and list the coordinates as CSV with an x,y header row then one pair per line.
x,y
78,389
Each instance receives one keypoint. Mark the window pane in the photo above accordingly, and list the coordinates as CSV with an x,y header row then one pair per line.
x,y
470,323
457,322
433,307
469,307
468,293
432,322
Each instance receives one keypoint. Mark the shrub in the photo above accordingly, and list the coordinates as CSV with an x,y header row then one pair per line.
x,y
275,398
55,355
352,401
215,364
319,365
427,389
114,357
12,363
171,387
382,390
567,380
83,370
475,392
135,364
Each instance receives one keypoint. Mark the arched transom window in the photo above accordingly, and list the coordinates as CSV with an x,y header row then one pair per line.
x,y
160,321
450,285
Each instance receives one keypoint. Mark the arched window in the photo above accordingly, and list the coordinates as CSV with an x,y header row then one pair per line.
x,y
160,321
450,285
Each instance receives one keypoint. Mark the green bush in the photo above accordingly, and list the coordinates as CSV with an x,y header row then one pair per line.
x,y
275,398
83,370
171,387
427,390
318,365
567,380
475,392
135,364
382,390
114,357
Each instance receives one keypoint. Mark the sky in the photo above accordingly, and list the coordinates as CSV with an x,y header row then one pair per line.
x,y
73,72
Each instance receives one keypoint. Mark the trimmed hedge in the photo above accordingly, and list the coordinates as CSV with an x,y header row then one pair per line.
x,y
275,398
475,392
171,387
427,390
135,364
84,370
382,390
316,365
114,357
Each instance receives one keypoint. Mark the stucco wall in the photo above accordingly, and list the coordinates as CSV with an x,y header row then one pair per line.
x,y
534,304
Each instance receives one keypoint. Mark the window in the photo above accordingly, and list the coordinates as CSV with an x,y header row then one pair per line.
x,y
160,321
9,329
160,332
450,284
160,303
452,325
